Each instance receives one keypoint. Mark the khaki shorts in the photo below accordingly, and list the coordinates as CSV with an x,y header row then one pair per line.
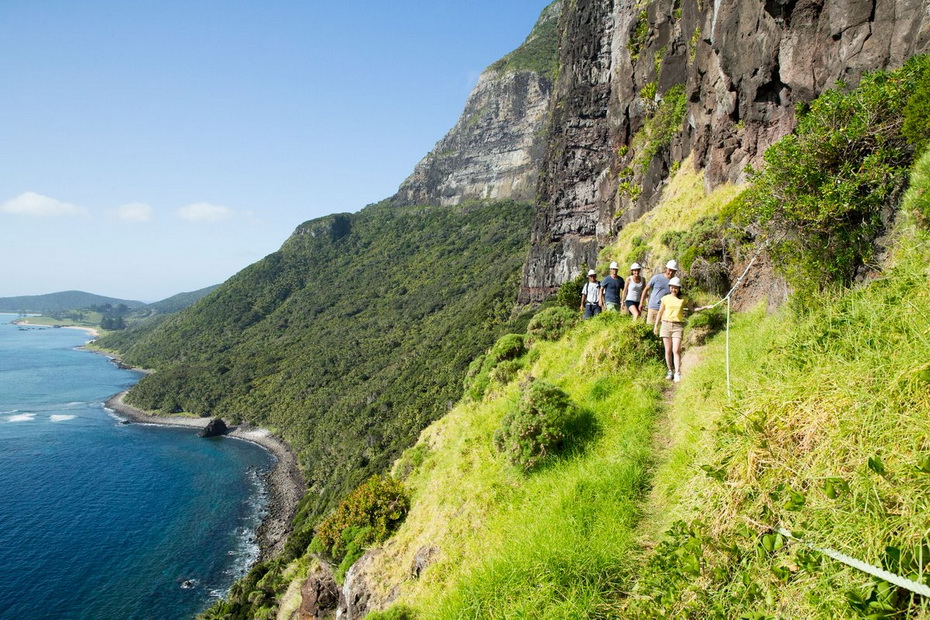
x,y
610,306
651,316
671,329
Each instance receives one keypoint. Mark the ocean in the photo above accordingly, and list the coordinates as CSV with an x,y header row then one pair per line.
x,y
102,520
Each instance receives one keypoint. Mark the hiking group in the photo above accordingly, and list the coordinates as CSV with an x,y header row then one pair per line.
x,y
665,311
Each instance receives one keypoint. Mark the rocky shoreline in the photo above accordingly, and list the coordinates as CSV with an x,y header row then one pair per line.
x,y
285,481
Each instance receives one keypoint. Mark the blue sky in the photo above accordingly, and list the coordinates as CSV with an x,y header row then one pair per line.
x,y
149,148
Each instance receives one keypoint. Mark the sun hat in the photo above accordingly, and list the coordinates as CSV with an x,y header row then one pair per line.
x,y
591,272
676,281
635,266
614,265
672,264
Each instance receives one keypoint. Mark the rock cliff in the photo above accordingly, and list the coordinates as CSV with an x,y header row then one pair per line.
x,y
643,85
495,150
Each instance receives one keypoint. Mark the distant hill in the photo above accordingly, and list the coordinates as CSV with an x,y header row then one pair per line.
x,y
58,302
178,302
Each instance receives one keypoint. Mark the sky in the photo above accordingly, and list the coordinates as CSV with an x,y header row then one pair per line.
x,y
149,148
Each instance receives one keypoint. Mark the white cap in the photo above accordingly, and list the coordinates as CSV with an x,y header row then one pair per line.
x,y
676,281
672,264
614,265
635,266
591,272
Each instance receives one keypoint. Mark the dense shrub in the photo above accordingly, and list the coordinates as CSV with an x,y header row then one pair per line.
x,y
551,323
826,193
367,516
479,376
916,126
569,294
536,427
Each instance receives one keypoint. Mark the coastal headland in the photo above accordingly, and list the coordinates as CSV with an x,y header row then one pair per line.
x,y
285,481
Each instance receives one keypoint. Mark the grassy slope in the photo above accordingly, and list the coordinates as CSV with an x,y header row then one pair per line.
x,y
817,393
554,543
818,390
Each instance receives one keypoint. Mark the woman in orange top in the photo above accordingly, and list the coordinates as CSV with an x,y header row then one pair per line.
x,y
672,319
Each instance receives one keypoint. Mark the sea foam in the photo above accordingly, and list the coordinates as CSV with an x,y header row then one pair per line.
x,y
61,418
22,417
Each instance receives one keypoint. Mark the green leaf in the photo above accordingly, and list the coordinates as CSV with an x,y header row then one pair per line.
x,y
876,465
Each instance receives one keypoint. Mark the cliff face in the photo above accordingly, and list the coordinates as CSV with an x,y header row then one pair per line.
x,y
495,150
737,69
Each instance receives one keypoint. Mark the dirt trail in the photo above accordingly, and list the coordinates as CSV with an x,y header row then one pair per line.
x,y
663,440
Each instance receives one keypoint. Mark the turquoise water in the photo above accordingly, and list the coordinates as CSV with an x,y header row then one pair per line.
x,y
104,520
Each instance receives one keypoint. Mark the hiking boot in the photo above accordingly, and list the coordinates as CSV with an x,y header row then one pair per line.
x,y
668,375
677,377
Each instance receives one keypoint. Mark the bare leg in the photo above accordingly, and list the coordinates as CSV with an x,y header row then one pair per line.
x,y
669,355
635,312
676,353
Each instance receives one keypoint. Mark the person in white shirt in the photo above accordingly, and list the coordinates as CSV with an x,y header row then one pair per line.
x,y
591,295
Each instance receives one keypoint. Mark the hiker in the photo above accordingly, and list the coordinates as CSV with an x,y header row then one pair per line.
x,y
633,290
591,295
610,290
657,288
671,316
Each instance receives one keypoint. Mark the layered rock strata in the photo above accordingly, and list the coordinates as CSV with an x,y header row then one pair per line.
x,y
495,150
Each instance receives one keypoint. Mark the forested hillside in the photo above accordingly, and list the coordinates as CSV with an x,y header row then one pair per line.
x,y
349,339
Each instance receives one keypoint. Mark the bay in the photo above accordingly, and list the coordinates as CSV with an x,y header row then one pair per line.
x,y
100,519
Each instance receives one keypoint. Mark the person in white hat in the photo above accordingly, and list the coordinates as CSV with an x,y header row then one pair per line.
x,y
633,290
591,295
672,310
610,289
657,288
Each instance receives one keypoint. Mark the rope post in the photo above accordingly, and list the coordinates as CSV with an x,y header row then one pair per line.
x,y
729,395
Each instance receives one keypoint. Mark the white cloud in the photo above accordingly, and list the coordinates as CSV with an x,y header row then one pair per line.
x,y
136,212
37,205
205,212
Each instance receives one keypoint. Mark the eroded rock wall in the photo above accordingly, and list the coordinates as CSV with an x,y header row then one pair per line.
x,y
744,65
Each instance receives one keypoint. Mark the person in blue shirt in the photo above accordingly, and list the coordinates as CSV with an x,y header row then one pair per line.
x,y
610,290
656,289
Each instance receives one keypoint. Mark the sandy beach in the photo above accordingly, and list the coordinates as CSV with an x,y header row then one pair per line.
x,y
285,481
90,330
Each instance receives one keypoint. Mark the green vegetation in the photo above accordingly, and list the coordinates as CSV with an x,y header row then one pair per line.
x,y
552,544
639,35
535,428
826,193
540,52
551,323
349,340
660,127
480,371
825,436
367,516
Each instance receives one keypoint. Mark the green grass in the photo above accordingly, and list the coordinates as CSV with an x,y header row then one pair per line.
x,y
553,543
825,397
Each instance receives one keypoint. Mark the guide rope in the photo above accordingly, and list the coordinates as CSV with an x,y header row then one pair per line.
x,y
898,580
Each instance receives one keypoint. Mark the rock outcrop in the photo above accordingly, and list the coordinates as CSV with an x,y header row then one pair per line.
x,y
495,150
741,66
214,428
319,595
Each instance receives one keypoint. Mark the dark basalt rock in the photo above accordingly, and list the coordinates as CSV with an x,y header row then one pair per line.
x,y
319,595
424,557
215,428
